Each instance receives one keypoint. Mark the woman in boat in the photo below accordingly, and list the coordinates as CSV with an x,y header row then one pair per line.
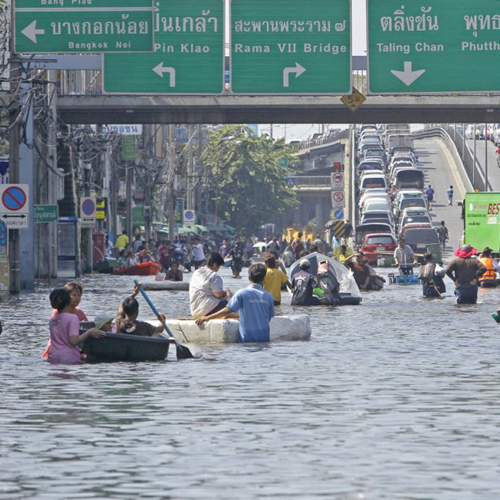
x,y
65,330
127,322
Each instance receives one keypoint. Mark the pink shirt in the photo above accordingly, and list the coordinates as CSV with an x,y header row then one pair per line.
x,y
78,312
63,326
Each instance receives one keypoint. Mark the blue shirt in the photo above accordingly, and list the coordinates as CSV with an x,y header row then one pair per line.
x,y
256,308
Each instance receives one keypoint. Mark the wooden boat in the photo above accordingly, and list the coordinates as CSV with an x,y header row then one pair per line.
x,y
118,347
181,286
144,269
225,331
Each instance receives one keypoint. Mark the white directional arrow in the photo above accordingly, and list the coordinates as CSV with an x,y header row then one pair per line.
x,y
408,76
297,69
31,32
160,70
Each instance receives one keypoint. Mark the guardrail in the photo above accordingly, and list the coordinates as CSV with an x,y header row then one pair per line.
x,y
465,164
309,181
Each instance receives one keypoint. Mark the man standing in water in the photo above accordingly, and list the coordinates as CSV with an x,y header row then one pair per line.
x,y
465,271
404,257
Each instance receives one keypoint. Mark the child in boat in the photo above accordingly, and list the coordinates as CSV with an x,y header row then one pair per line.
x,y
65,330
126,320
103,322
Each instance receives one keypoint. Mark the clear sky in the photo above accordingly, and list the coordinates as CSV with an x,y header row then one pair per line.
x,y
303,131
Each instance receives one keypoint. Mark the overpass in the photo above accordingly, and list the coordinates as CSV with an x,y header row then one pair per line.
x,y
103,109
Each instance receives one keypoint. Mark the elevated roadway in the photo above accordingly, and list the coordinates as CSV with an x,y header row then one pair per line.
x,y
487,149
441,172
83,109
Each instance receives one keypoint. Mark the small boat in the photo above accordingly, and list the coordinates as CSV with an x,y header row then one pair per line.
x,y
404,279
225,331
349,291
181,286
144,269
118,347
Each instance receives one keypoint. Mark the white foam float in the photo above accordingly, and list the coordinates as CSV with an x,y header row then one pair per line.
x,y
225,331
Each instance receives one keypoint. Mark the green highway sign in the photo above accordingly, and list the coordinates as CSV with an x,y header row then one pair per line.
x,y
188,56
291,46
46,213
51,26
438,46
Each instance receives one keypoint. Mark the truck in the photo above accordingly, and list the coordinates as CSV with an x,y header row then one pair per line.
x,y
399,140
482,220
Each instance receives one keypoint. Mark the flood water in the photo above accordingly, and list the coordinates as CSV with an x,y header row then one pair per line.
x,y
395,399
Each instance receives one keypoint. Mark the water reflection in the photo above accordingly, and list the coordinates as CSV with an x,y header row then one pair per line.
x,y
394,399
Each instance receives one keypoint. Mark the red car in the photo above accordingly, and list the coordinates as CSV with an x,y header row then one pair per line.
x,y
375,243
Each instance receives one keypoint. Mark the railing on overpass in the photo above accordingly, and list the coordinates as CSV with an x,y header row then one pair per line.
x,y
328,138
309,181
462,155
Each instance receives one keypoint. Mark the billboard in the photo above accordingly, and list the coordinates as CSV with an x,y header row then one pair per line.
x,y
482,220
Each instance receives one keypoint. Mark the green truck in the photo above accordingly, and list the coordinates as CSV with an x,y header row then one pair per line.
x,y
482,220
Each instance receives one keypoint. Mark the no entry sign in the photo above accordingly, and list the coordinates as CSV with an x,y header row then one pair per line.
x,y
14,205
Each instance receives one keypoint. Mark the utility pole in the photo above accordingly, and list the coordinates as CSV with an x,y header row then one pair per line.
x,y
171,187
190,198
474,163
14,142
130,177
486,140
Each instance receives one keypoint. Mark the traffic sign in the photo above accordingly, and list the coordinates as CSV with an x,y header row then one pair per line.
x,y
101,206
338,199
338,181
189,217
44,26
14,205
290,46
338,214
88,211
354,100
188,57
4,241
46,213
441,46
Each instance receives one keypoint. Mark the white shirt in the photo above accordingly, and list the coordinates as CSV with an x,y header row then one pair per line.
x,y
204,284
198,253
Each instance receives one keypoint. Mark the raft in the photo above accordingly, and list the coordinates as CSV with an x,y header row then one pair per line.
x,y
182,286
406,279
118,347
225,331
144,269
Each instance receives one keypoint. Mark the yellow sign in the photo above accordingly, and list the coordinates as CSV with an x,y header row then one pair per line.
x,y
354,101
101,208
338,229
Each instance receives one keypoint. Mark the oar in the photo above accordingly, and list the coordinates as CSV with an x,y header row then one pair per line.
x,y
182,351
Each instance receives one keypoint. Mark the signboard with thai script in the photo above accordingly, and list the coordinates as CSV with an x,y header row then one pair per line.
x,y
56,26
438,46
291,46
188,53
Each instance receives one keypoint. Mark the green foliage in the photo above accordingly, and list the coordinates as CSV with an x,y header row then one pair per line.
x,y
247,183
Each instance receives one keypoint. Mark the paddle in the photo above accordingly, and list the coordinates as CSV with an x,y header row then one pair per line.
x,y
182,351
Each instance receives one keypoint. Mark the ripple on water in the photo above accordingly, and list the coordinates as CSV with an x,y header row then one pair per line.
x,y
396,399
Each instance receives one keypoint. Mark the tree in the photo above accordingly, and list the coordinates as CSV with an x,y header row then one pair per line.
x,y
247,182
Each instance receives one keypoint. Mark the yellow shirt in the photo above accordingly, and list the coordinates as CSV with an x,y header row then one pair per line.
x,y
122,241
273,281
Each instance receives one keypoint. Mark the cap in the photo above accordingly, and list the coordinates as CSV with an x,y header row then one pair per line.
x,y
102,319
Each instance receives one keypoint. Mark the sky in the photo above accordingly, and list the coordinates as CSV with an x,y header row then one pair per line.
x,y
303,131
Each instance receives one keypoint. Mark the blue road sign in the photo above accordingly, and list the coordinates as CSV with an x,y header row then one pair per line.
x,y
88,207
14,198
338,214
4,234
